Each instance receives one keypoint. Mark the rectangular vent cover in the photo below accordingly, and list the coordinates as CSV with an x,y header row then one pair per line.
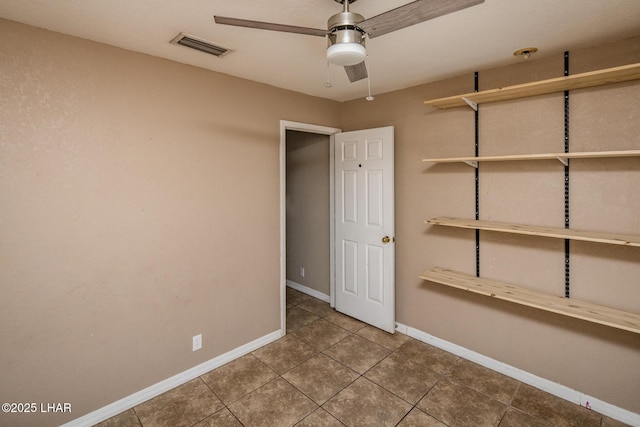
x,y
200,44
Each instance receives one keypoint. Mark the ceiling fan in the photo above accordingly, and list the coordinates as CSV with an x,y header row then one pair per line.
x,y
346,31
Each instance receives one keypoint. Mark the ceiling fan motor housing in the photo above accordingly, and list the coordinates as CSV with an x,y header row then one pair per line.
x,y
346,40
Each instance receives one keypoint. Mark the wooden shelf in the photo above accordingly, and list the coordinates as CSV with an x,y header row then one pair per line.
x,y
556,232
559,84
562,157
556,304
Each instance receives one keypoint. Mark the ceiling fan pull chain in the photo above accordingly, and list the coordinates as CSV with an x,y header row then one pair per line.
x,y
369,97
327,82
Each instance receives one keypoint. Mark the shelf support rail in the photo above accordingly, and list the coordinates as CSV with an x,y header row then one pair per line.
x,y
565,161
477,174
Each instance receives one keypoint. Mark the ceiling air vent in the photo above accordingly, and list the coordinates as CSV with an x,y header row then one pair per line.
x,y
200,44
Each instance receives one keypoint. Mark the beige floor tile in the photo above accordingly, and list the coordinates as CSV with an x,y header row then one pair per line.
x,y
125,419
345,322
277,403
297,318
458,405
296,297
317,307
484,380
320,378
357,353
320,418
552,409
403,377
238,378
182,406
285,353
364,403
321,334
417,418
428,355
380,337
515,418
222,418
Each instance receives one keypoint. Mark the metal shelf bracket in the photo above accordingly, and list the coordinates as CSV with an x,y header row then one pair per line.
x,y
470,103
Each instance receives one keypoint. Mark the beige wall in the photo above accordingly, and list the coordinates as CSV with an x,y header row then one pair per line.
x,y
605,196
308,210
138,207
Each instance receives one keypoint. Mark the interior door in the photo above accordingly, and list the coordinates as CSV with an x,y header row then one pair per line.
x,y
364,226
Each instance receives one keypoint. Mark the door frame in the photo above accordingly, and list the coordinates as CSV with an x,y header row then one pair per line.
x,y
286,125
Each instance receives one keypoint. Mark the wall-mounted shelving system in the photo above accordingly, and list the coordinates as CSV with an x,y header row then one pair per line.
x,y
565,306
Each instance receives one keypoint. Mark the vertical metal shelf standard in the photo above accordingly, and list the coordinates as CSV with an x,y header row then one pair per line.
x,y
477,175
567,242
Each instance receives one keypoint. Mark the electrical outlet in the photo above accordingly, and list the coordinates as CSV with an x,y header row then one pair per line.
x,y
301,271
197,342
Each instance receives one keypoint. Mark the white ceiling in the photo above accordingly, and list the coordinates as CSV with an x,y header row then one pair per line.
x,y
476,38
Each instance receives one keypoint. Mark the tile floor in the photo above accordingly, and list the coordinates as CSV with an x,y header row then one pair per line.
x,y
332,370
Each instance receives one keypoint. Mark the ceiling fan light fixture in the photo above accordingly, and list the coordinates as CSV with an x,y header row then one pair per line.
x,y
346,45
346,54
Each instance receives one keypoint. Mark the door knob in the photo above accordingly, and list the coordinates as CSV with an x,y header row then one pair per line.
x,y
386,239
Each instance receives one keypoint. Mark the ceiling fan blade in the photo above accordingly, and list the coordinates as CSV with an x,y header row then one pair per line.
x,y
411,14
269,26
356,72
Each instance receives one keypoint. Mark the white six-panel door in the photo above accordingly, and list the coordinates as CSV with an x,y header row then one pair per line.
x,y
364,217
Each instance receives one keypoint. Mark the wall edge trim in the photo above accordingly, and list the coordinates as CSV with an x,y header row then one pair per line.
x,y
163,386
309,291
544,384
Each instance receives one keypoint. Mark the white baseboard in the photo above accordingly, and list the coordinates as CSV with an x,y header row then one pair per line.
x,y
157,389
307,290
551,387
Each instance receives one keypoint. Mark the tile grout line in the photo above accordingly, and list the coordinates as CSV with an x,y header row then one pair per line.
x,y
445,374
322,352
362,375
224,405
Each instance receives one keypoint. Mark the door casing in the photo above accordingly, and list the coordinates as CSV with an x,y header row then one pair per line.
x,y
309,128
